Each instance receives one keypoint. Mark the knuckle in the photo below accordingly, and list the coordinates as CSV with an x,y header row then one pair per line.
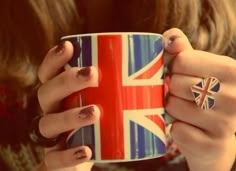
x,y
224,127
227,65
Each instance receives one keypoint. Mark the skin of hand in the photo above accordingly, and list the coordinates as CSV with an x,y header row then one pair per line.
x,y
205,137
56,86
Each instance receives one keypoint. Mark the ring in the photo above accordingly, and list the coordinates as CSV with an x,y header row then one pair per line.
x,y
37,138
203,92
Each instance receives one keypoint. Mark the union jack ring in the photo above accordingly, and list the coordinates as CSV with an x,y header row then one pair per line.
x,y
203,92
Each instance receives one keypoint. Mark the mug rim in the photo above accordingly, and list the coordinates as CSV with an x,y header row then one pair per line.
x,y
110,33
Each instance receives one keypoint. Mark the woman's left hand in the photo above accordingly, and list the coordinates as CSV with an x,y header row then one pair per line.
x,y
205,137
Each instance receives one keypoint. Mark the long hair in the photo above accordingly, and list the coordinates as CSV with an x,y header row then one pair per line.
x,y
29,28
209,24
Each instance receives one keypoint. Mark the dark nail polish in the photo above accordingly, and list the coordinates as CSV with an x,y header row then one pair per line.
x,y
60,48
84,73
172,39
169,42
86,112
80,154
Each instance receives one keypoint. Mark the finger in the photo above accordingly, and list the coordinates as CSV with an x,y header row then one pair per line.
x,y
52,125
225,100
175,41
67,158
203,64
213,122
197,148
179,86
54,61
54,91
193,142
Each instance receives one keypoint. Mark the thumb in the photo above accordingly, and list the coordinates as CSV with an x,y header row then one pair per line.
x,y
175,41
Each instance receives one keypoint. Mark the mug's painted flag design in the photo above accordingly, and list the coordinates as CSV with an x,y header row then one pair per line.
x,y
130,95
203,92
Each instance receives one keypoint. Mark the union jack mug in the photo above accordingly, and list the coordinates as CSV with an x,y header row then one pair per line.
x,y
130,94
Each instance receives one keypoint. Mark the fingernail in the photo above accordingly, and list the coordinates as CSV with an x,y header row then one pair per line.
x,y
84,73
80,154
60,48
170,42
86,112
172,39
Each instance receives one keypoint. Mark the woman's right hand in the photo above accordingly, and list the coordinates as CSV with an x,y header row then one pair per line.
x,y
57,85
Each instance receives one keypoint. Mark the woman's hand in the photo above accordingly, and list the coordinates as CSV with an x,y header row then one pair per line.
x,y
205,137
57,85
